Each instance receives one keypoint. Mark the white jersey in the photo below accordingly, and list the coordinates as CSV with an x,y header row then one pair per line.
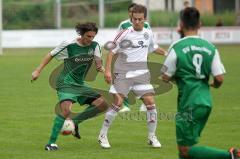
x,y
132,48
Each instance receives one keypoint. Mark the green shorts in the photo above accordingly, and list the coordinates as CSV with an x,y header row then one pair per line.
x,y
81,94
189,125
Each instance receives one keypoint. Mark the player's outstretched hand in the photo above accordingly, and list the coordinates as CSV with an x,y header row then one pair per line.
x,y
108,77
35,75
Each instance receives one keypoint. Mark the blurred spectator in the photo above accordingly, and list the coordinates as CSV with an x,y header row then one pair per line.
x,y
238,19
179,30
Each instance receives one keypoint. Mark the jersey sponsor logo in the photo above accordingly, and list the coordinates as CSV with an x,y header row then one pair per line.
x,y
110,45
196,48
140,44
125,44
83,59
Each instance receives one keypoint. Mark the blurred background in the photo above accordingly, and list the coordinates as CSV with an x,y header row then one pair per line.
x,y
48,14
45,23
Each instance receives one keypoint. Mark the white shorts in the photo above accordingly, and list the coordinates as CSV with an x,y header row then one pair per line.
x,y
140,85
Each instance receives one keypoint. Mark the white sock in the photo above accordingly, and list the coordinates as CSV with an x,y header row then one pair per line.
x,y
152,121
109,117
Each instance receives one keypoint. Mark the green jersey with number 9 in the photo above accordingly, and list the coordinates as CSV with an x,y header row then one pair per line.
x,y
191,61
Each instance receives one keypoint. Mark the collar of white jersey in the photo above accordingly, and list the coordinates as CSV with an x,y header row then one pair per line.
x,y
132,29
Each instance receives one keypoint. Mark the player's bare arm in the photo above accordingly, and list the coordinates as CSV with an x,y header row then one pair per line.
x,y
161,51
98,62
108,75
38,70
217,81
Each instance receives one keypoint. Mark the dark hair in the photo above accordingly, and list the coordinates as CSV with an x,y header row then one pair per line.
x,y
190,18
140,9
81,29
131,5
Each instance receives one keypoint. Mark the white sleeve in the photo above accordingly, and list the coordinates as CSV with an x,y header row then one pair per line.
x,y
60,52
153,45
97,51
97,57
118,39
217,66
169,65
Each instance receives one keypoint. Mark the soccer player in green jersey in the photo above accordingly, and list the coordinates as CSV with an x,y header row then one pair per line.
x,y
78,56
191,61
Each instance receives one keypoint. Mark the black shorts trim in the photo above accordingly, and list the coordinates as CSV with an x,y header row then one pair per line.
x,y
91,99
67,100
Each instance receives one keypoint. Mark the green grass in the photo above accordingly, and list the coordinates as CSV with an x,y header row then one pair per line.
x,y
26,114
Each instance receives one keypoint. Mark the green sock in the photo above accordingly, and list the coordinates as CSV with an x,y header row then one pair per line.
x,y
201,152
57,126
125,102
89,112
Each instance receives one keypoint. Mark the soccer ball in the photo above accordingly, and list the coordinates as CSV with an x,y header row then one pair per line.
x,y
68,127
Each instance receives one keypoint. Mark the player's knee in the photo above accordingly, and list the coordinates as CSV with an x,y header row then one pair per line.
x,y
183,150
104,106
66,108
151,107
118,100
101,104
65,113
118,103
148,99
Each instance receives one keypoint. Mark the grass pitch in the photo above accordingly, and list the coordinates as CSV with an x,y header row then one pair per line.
x,y
27,111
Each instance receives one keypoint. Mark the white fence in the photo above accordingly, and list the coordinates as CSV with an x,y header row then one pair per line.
x,y
164,36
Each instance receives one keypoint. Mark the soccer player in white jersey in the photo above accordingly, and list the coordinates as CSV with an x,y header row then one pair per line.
x,y
124,25
131,73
